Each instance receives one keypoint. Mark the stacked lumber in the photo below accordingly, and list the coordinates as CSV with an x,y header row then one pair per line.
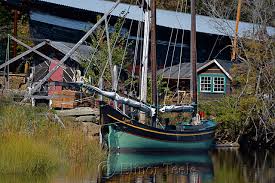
x,y
79,111
65,99
81,114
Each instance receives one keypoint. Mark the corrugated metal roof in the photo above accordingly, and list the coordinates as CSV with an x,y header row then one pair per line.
x,y
62,22
165,18
82,53
172,72
185,69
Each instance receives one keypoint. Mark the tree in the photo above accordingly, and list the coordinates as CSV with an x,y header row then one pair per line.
x,y
5,21
253,80
97,66
5,29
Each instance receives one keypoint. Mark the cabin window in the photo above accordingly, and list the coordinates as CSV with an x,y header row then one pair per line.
x,y
218,84
205,84
212,83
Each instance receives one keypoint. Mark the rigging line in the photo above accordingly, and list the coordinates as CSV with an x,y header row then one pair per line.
x,y
120,29
93,55
168,48
135,56
118,35
104,69
213,47
167,53
125,50
170,70
173,54
95,50
181,52
99,44
126,46
114,43
185,9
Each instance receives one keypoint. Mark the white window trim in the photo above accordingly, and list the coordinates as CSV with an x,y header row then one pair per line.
x,y
213,84
206,91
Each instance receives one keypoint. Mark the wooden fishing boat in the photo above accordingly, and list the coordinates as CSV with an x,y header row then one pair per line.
x,y
125,134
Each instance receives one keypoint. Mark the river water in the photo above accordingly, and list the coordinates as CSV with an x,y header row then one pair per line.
x,y
217,166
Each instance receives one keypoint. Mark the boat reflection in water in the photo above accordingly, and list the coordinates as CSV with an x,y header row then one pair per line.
x,y
155,167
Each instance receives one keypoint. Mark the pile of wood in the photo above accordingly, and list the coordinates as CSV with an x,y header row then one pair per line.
x,y
81,114
65,99
16,81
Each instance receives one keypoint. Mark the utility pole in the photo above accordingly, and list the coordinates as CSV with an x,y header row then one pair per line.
x,y
154,60
235,42
194,58
145,55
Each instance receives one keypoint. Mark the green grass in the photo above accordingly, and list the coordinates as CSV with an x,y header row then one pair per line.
x,y
31,144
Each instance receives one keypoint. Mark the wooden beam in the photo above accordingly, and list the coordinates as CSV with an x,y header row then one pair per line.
x,y
22,55
35,51
41,54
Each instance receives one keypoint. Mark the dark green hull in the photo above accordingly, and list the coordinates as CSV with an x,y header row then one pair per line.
x,y
124,134
120,140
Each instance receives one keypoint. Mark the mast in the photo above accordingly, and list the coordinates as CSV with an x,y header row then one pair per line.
x,y
154,59
194,57
143,85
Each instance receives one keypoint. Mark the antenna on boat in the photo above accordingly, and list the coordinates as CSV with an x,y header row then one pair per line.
x,y
154,60
194,58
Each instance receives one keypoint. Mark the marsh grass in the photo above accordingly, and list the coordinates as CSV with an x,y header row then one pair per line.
x,y
31,144
23,155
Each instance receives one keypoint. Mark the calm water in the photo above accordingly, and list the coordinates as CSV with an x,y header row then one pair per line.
x,y
221,166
